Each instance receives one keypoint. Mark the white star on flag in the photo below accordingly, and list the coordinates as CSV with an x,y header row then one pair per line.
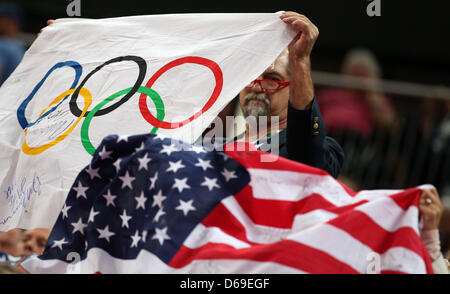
x,y
92,215
125,218
185,206
210,183
140,147
117,164
104,154
81,190
93,172
175,166
105,233
158,214
78,226
168,149
228,174
126,180
158,199
122,138
161,235
160,137
198,149
59,243
109,198
153,181
143,161
64,210
141,201
135,239
204,164
180,184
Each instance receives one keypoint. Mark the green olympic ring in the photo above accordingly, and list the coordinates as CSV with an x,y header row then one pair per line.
x,y
160,113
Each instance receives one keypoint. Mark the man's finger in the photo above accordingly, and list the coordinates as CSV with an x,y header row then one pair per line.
x,y
299,24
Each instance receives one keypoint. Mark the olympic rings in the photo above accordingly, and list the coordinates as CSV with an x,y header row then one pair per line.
x,y
214,67
127,93
142,71
145,91
21,110
87,102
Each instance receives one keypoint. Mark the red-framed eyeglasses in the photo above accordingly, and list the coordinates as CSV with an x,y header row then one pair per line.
x,y
270,85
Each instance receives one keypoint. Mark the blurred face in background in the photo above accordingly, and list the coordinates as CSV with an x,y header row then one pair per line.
x,y
34,241
359,69
10,242
9,27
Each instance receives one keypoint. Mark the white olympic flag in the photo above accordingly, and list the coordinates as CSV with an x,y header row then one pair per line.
x,y
84,79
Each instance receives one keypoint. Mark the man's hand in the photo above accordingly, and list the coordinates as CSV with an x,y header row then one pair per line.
x,y
431,209
49,22
302,87
300,48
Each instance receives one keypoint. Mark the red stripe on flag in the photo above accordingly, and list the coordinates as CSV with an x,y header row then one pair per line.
x,y
286,252
252,159
392,272
361,227
407,198
278,213
345,208
223,219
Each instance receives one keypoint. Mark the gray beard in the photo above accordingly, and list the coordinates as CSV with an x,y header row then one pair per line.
x,y
256,111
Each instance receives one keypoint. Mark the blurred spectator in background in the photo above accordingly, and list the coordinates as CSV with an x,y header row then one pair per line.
x,y
11,246
16,244
359,119
358,111
34,241
11,50
429,155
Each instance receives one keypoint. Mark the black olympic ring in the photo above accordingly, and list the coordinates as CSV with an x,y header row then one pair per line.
x,y
142,71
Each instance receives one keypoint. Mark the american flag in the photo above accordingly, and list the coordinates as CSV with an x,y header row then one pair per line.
x,y
150,204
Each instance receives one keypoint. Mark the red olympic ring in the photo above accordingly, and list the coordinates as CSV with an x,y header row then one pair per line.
x,y
214,67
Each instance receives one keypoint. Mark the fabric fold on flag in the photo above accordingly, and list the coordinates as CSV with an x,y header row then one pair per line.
x,y
151,204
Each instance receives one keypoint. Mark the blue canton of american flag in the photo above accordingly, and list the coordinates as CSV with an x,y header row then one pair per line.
x,y
143,192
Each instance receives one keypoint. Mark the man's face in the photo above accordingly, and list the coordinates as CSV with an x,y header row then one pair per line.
x,y
258,102
34,241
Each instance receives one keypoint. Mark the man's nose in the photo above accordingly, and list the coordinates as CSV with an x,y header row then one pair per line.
x,y
256,87
30,246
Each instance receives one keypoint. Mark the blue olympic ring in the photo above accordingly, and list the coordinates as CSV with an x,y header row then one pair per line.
x,y
21,110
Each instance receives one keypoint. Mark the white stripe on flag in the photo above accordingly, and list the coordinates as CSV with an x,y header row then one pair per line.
x,y
99,260
311,219
294,186
356,254
371,195
236,266
202,235
382,210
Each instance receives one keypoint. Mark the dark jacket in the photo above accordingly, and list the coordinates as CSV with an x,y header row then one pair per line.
x,y
305,140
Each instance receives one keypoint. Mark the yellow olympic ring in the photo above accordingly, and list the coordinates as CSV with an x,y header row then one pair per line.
x,y
87,102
